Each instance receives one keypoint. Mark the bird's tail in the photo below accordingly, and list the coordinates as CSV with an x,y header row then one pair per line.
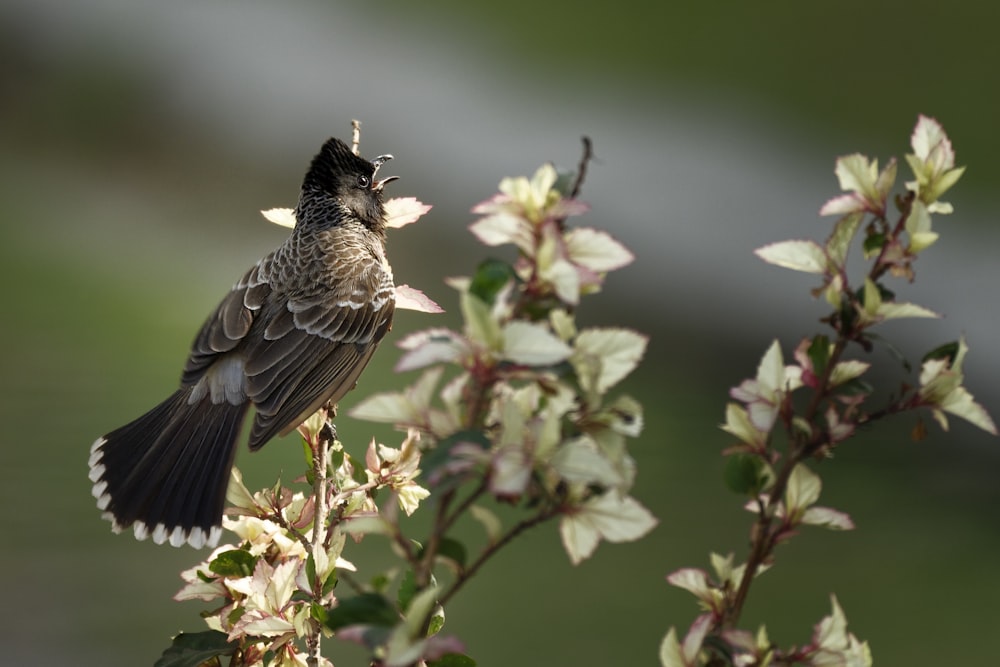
x,y
166,473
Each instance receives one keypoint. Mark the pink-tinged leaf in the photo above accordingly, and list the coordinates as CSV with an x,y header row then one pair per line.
x,y
492,204
510,474
402,211
695,637
930,141
807,256
409,298
565,208
596,250
439,646
849,203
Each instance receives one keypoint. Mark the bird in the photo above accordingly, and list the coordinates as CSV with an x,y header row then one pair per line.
x,y
292,335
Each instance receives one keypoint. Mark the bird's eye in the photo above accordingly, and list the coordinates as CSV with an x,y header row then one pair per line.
x,y
364,181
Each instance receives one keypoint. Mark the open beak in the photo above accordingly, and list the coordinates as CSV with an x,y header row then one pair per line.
x,y
378,162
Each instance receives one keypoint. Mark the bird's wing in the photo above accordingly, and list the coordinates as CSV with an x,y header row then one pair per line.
x,y
230,323
313,349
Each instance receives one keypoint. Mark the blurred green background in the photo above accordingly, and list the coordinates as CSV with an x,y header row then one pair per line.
x,y
141,139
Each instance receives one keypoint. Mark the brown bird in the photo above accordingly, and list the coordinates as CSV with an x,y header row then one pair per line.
x,y
295,332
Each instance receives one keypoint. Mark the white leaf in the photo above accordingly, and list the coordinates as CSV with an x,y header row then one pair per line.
x,y
259,623
805,256
961,404
401,211
831,632
618,351
620,518
480,324
510,472
843,204
406,408
409,298
596,250
565,279
580,461
892,311
373,524
857,174
609,516
929,137
503,227
533,345
826,516
579,538
847,370
430,346
280,216
771,370
692,579
388,408
803,490
739,424
670,651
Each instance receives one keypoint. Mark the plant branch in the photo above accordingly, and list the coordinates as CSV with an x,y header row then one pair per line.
x,y
581,170
321,453
763,535
492,549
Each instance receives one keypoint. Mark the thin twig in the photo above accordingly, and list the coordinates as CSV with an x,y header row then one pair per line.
x,y
450,520
355,136
426,565
581,170
492,550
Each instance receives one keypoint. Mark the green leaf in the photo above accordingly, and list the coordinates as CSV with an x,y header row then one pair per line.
x,y
367,609
454,551
407,589
745,474
452,660
319,612
947,351
873,243
564,184
233,563
819,354
436,621
854,387
192,649
491,276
